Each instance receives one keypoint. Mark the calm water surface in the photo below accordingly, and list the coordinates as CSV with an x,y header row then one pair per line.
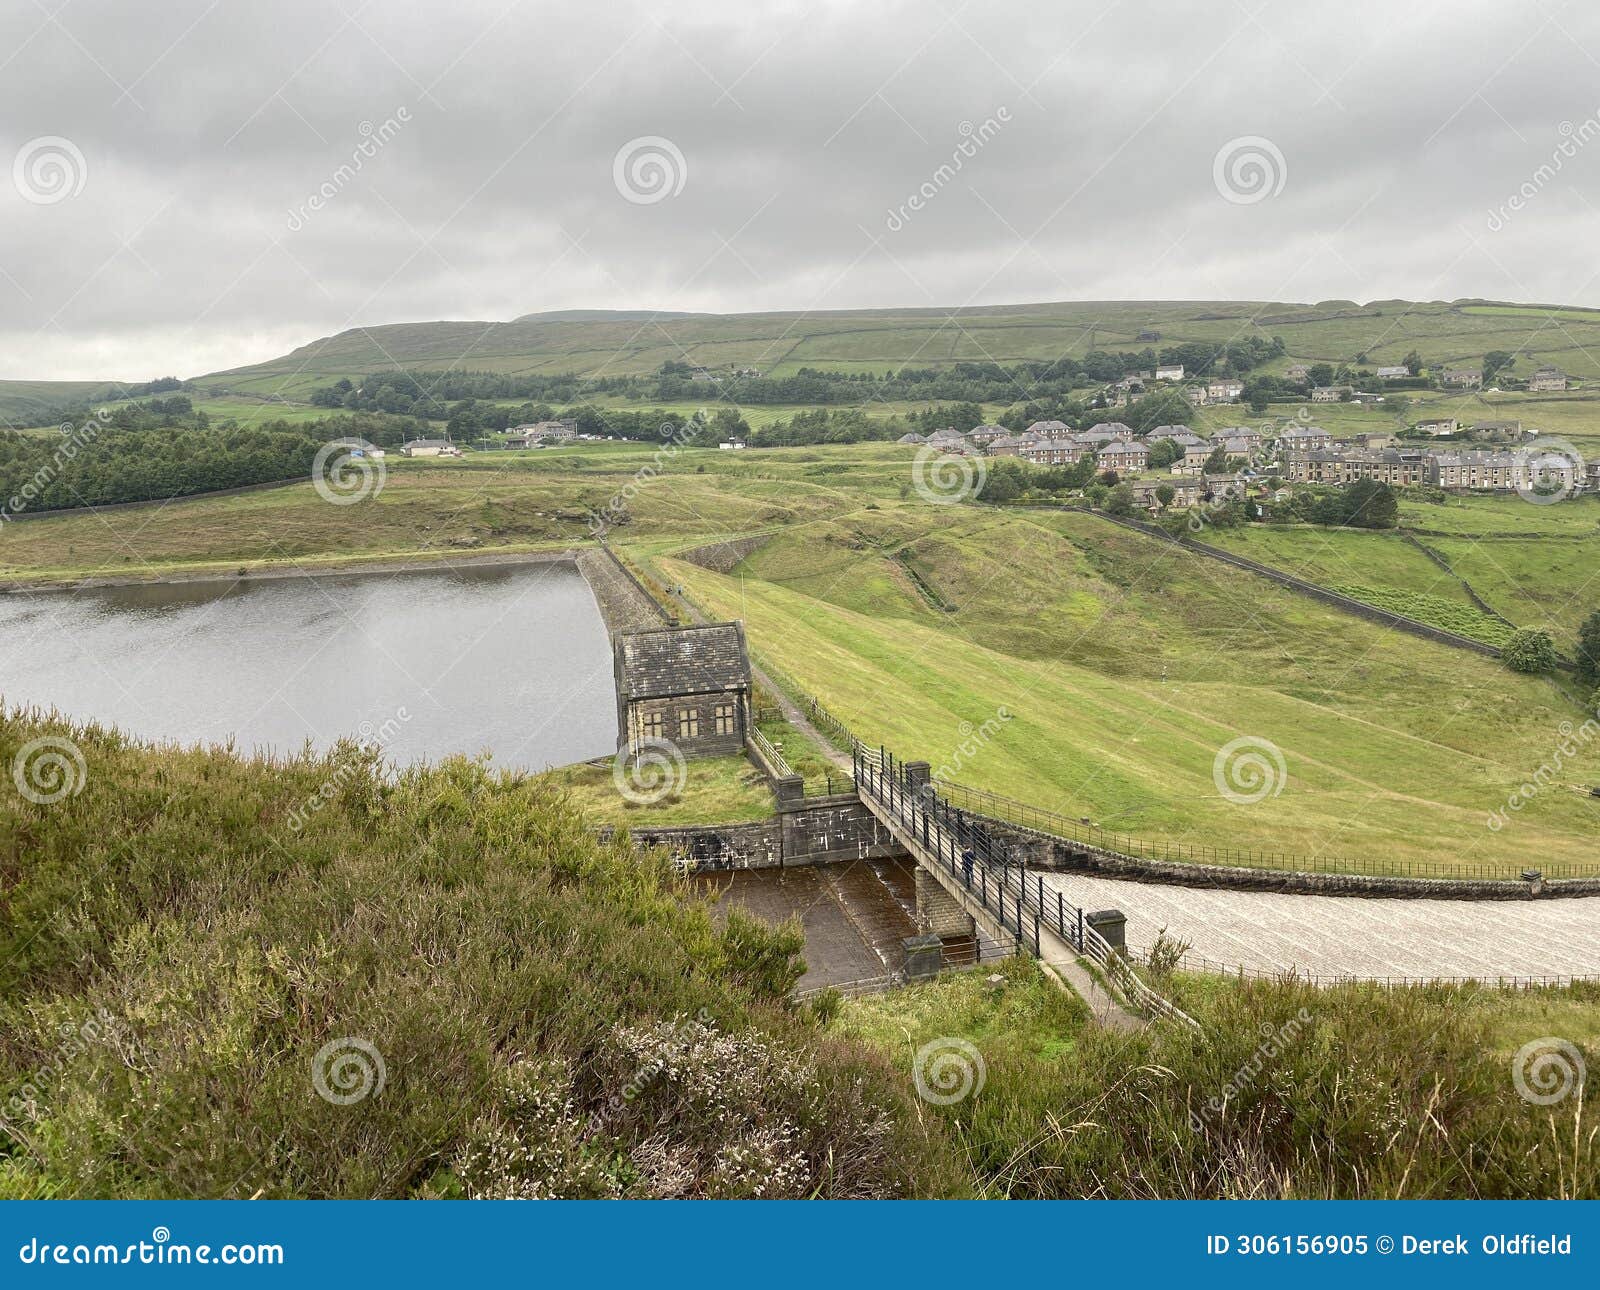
x,y
514,661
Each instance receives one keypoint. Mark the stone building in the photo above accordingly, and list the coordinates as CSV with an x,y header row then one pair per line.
x,y
690,685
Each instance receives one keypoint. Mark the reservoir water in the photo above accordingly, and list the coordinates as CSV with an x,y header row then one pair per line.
x,y
512,660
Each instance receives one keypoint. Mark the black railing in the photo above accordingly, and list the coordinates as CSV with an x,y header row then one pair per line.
x,y
1020,903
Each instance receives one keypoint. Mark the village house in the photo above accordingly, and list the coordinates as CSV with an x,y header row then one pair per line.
x,y
1185,491
913,437
1387,465
1241,434
429,448
1010,446
537,432
1169,371
1054,452
1050,429
1546,379
983,436
1477,471
1312,466
1296,372
1503,431
1305,437
1436,426
1393,373
686,685
1331,393
1461,378
1123,456
1178,435
1223,390
1104,432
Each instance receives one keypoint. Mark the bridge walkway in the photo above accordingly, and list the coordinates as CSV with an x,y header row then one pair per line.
x,y
1003,897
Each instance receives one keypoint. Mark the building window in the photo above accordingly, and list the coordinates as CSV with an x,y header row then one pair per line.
x,y
725,719
651,725
688,723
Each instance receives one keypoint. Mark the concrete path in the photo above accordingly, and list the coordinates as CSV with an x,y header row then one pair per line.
x,y
1334,936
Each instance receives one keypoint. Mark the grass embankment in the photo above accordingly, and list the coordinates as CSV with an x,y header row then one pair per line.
x,y
1350,1091
176,954
1125,666
712,790
179,964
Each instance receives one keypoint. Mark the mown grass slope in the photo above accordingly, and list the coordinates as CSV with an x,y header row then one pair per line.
x,y
1125,665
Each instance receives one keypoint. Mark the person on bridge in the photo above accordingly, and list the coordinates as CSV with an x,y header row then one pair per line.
x,y
968,859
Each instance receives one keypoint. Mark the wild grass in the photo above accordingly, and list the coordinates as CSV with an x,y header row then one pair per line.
x,y
1289,1092
465,924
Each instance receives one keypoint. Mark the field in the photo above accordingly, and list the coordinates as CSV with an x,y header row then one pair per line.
x,y
1123,665
1536,566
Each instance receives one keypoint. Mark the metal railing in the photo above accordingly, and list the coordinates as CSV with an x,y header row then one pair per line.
x,y
1019,903
775,759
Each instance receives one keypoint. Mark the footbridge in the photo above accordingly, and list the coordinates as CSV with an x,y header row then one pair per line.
x,y
973,871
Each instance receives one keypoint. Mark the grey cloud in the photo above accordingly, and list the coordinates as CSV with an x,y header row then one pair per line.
x,y
207,129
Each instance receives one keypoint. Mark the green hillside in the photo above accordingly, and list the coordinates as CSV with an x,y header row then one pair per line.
x,y
597,343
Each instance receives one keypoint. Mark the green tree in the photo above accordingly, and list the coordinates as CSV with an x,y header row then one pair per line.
x,y
1370,504
1005,481
1413,362
1119,501
1163,453
1164,494
1589,648
1494,361
1530,650
1320,374
1217,462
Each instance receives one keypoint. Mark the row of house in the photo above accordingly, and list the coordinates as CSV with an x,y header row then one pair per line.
x,y
1494,470
539,433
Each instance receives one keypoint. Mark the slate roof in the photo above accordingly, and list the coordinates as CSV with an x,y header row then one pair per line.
x,y
666,661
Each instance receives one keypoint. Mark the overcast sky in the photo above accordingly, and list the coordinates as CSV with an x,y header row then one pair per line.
x,y
159,215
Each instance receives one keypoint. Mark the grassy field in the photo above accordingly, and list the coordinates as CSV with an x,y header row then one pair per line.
x,y
714,790
1538,566
1131,668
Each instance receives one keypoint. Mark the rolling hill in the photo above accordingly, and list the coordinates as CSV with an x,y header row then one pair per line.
x,y
600,343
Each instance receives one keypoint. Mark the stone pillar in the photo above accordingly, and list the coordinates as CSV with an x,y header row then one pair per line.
x,y
789,789
918,773
1112,924
938,912
924,956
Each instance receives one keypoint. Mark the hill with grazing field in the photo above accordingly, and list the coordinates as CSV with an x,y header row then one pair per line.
x,y
596,344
